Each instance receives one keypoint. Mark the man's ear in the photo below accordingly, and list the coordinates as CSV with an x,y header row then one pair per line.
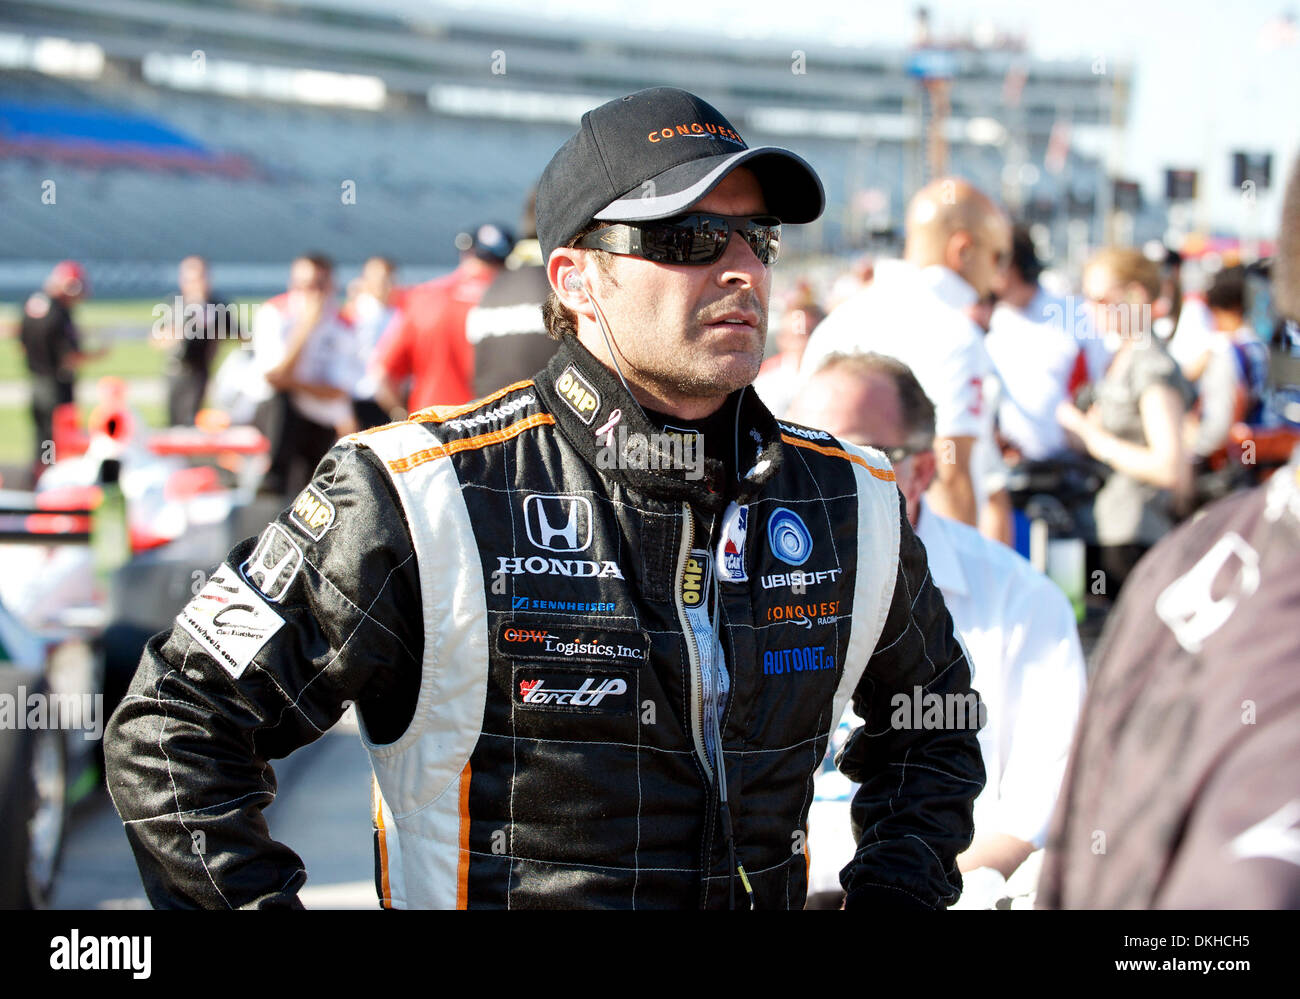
x,y
957,251
564,272
924,466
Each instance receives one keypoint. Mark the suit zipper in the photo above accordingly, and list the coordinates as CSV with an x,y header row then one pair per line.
x,y
718,786
692,646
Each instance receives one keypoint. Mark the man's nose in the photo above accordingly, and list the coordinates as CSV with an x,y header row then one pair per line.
x,y
739,264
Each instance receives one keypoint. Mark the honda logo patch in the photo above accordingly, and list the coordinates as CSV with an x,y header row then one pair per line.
x,y
558,523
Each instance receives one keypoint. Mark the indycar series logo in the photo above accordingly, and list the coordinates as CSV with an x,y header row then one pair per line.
x,y
731,550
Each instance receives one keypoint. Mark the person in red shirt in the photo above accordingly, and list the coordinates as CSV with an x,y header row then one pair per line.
x,y
426,340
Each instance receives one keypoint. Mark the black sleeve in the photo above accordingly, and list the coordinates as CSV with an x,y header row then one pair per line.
x,y
913,813
322,609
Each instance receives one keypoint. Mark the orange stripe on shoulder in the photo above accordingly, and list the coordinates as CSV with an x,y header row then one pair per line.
x,y
462,862
471,443
437,414
878,473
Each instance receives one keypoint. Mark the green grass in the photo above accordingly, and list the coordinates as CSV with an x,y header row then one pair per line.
x,y
123,326
17,447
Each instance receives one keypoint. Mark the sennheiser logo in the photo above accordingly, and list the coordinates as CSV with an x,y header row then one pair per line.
x,y
558,523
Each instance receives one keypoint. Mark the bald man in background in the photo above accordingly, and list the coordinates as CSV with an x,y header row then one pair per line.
x,y
1018,628
958,244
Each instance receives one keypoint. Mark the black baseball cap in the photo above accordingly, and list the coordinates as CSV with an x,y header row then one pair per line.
x,y
653,154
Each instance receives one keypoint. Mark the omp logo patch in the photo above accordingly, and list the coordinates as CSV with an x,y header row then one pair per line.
x,y
312,512
571,691
695,578
274,563
558,523
579,394
565,642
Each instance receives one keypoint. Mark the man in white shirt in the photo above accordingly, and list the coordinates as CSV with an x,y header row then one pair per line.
x,y
1043,351
957,247
1017,626
305,355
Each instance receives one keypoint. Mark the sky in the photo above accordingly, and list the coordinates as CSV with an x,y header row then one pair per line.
x,y
1204,84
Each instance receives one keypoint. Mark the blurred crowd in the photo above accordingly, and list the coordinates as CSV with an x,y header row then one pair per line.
x,y
990,382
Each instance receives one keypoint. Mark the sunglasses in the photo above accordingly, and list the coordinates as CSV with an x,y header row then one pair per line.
x,y
691,239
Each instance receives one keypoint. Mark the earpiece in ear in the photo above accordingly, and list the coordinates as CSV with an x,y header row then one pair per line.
x,y
572,282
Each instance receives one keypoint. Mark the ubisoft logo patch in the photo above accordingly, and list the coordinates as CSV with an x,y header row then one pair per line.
x,y
789,537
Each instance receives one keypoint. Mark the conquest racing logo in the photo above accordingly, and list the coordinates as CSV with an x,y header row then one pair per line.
x,y
804,615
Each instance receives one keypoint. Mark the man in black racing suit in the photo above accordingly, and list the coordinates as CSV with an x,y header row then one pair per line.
x,y
598,626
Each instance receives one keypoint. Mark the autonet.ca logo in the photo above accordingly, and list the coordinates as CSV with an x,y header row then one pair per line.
x,y
805,659
557,691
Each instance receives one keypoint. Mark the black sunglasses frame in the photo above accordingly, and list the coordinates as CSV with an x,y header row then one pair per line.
x,y
709,236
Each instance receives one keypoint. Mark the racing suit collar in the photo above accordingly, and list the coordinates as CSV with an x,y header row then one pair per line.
x,y
603,422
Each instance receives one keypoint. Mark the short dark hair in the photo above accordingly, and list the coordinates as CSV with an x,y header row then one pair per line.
x,y
1286,274
1228,290
917,409
318,260
1024,255
558,317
